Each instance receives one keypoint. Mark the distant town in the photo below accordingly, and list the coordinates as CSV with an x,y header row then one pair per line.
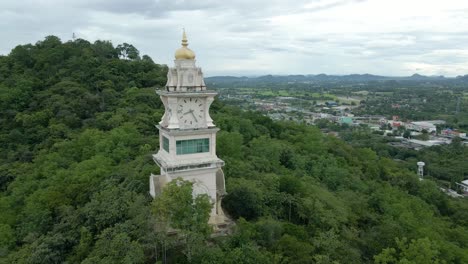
x,y
423,114
411,134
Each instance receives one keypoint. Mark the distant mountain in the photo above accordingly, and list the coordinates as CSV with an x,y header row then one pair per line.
x,y
327,78
419,77
462,78
225,78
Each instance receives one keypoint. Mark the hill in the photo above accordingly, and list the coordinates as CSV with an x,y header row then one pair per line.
x,y
77,136
324,78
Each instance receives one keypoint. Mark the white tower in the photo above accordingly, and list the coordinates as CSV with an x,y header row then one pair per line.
x,y
187,134
421,169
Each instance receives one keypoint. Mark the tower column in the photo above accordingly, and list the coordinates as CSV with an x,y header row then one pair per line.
x,y
188,134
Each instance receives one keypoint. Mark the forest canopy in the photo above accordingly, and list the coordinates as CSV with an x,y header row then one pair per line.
x,y
77,136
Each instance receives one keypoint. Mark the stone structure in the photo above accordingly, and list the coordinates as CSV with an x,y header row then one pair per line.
x,y
187,134
421,169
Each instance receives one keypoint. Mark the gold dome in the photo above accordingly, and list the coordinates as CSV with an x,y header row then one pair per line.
x,y
184,53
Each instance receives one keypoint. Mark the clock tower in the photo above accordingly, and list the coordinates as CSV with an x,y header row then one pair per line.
x,y
187,134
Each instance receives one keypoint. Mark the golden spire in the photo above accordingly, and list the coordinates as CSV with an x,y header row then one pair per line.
x,y
184,39
184,53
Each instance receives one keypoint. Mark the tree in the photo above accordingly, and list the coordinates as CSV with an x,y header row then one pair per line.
x,y
113,246
295,251
417,251
407,134
178,208
7,239
147,58
243,200
105,49
128,52
229,144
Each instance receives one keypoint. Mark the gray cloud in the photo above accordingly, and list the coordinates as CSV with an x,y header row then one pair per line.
x,y
324,5
150,8
260,37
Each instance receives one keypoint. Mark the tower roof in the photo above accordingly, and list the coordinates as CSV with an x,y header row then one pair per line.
x,y
184,53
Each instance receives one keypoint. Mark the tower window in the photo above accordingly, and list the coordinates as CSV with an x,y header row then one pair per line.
x,y
166,144
192,146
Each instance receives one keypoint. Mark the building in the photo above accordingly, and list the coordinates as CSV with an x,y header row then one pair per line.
x,y
417,144
421,125
345,120
436,122
187,134
396,124
464,187
452,133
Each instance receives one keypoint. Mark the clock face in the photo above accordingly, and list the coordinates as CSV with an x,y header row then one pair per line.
x,y
191,112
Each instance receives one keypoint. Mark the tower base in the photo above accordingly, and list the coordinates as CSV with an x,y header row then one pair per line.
x,y
218,219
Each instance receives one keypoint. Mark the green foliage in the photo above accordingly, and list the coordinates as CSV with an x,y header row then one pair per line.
x,y
77,133
113,247
244,200
75,146
176,207
418,251
229,145
7,239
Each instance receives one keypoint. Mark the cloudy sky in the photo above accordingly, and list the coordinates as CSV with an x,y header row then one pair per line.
x,y
252,37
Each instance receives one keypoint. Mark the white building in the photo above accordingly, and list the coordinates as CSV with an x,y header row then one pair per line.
x,y
187,134
464,186
427,143
421,125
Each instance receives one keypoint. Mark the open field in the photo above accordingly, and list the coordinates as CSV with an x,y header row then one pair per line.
x,y
280,92
349,100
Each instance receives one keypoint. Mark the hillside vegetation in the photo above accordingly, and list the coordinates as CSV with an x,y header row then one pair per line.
x,y
76,140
